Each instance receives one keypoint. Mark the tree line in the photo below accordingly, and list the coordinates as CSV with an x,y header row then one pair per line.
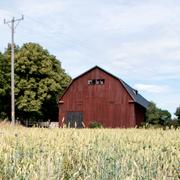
x,y
156,116
39,80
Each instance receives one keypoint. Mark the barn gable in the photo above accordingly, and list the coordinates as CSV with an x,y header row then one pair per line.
x,y
137,98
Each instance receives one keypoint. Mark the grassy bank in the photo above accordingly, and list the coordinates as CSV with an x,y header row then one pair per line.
x,y
32,153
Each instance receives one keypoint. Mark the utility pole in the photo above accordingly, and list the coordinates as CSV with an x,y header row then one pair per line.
x,y
12,26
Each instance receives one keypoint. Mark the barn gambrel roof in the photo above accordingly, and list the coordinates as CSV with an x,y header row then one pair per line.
x,y
137,98
135,95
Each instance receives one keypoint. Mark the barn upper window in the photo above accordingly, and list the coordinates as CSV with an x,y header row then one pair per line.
x,y
96,81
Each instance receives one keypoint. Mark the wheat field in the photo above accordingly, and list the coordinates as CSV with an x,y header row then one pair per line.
x,y
107,154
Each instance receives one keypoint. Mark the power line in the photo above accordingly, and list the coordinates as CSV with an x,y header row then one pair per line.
x,y
12,26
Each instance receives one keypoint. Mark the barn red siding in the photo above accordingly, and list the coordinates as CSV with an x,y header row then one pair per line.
x,y
108,104
140,114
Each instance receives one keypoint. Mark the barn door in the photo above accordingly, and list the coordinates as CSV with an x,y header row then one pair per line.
x,y
74,119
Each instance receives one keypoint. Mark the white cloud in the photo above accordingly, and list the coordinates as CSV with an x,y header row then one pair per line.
x,y
155,58
126,18
4,14
40,8
151,88
76,63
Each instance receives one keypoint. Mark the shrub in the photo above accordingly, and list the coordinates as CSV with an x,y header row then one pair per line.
x,y
95,124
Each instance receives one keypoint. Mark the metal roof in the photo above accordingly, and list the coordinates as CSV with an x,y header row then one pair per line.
x,y
135,95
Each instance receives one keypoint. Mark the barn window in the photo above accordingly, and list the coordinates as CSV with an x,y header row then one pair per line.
x,y
102,81
91,81
96,81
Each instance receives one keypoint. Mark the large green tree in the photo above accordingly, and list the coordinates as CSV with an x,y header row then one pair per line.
x,y
39,80
152,114
155,115
5,82
4,86
164,117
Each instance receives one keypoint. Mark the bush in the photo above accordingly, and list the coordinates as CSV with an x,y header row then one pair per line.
x,y
95,124
172,124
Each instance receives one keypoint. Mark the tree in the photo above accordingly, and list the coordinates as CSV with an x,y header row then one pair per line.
x,y
39,80
155,115
4,87
152,114
5,82
177,113
164,117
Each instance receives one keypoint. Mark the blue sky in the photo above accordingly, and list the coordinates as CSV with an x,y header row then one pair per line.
x,y
138,41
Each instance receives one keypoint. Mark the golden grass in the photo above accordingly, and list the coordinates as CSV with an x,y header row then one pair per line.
x,y
32,153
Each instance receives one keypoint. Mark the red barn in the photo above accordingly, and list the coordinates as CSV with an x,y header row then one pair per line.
x,y
98,96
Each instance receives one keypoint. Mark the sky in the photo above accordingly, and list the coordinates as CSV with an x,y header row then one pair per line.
x,y
137,41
